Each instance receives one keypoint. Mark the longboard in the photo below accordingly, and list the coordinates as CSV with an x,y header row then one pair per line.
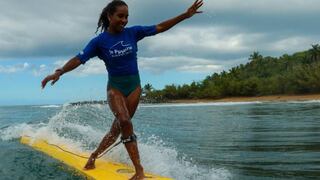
x,y
104,169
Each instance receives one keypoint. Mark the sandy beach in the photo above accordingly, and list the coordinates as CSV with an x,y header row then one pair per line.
x,y
257,98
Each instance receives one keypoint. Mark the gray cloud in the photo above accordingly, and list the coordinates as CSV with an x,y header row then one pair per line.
x,y
45,28
225,43
161,64
227,30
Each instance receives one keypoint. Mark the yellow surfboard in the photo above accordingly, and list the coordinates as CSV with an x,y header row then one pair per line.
x,y
104,169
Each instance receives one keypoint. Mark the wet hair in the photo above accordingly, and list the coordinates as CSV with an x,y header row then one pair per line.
x,y
110,9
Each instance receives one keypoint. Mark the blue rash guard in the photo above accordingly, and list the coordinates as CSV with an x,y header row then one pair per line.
x,y
119,53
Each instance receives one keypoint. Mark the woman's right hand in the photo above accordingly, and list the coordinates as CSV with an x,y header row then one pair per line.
x,y
53,77
69,66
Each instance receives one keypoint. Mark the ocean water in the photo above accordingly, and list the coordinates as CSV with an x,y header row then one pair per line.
x,y
203,141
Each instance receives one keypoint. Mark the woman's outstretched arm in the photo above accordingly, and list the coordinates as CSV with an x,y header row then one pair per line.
x,y
69,66
189,13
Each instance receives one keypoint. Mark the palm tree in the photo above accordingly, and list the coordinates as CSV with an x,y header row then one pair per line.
x,y
147,88
255,56
315,52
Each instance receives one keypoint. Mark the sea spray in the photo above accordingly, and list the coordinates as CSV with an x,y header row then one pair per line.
x,y
81,128
192,142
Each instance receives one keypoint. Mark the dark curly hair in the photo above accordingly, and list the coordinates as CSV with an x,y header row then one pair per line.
x,y
111,8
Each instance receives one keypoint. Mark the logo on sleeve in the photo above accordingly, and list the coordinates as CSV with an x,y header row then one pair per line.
x,y
120,49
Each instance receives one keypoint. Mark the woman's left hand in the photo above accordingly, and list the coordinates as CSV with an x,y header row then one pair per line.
x,y
194,8
53,77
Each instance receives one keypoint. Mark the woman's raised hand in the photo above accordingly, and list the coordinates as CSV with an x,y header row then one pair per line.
x,y
194,8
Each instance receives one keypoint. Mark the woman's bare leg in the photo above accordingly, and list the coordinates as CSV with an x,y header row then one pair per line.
x,y
113,134
107,141
120,106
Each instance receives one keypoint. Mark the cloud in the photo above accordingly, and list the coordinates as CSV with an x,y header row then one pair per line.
x,y
203,41
40,70
291,44
45,28
266,6
224,42
26,67
227,30
160,65
92,67
14,68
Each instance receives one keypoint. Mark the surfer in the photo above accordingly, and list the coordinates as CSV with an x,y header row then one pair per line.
x,y
116,45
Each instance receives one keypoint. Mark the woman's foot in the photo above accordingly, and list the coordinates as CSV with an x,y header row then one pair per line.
x,y
90,162
138,176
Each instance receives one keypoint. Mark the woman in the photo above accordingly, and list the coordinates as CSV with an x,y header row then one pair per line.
x,y
117,47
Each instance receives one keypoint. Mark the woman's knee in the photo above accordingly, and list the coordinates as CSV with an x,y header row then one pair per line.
x,y
124,121
112,137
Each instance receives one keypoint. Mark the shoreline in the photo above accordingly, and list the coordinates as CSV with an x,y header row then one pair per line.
x,y
269,98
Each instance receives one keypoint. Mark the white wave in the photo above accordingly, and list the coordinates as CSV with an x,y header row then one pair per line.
x,y
39,131
156,156
14,132
160,159
199,104
50,106
304,101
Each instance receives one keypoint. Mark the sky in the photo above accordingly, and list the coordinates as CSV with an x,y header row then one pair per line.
x,y
39,36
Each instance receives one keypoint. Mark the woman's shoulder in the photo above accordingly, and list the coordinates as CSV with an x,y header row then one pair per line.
x,y
131,29
135,27
140,27
100,36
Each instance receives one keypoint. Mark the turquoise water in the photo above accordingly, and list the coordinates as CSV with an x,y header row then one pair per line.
x,y
204,141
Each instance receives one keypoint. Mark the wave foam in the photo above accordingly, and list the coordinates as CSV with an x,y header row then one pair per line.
x,y
304,102
156,156
49,106
200,104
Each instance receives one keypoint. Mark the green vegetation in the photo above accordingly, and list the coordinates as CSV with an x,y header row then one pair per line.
x,y
289,74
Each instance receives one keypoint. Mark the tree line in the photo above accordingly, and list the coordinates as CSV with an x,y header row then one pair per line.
x,y
298,73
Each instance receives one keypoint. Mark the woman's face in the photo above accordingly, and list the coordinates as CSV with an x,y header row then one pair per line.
x,y
119,19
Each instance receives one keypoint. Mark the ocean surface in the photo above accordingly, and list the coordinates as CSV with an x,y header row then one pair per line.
x,y
203,141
